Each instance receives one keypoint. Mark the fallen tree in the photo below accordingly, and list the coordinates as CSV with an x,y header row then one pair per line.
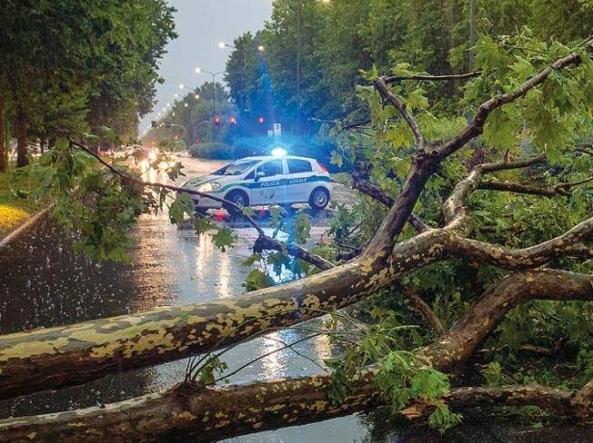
x,y
68,355
211,413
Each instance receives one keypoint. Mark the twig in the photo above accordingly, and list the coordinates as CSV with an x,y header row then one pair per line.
x,y
267,354
426,311
398,78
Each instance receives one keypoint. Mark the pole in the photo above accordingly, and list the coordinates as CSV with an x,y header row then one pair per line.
x,y
298,67
3,130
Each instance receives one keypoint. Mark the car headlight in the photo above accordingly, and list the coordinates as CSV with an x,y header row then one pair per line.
x,y
206,187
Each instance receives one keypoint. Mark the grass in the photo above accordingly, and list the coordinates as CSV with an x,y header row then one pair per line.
x,y
14,210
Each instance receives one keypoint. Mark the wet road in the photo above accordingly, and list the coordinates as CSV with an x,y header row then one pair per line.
x,y
44,284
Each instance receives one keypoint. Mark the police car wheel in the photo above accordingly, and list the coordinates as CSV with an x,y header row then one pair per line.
x,y
237,197
319,199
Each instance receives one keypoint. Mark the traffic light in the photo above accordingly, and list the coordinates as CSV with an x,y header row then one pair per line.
x,y
233,120
153,124
217,121
261,120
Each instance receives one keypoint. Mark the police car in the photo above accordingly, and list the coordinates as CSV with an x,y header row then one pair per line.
x,y
263,181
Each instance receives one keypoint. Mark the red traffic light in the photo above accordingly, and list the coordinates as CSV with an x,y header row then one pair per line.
x,y
233,120
261,120
217,121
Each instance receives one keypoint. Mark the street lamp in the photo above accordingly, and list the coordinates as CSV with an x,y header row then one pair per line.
x,y
213,74
222,45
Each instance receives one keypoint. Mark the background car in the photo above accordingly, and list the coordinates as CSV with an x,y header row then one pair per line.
x,y
264,181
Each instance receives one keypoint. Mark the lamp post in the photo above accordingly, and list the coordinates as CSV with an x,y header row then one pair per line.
x,y
213,74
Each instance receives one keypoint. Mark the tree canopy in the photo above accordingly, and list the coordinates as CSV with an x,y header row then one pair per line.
x,y
71,67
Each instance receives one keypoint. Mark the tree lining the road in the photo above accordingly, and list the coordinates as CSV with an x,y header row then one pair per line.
x,y
79,67
484,269
314,50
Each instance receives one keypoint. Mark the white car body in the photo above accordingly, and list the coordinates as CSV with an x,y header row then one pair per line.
x,y
265,181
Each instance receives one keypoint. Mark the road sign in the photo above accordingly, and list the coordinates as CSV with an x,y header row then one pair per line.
x,y
277,129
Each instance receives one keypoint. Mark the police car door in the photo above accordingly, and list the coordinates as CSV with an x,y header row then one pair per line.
x,y
268,183
299,179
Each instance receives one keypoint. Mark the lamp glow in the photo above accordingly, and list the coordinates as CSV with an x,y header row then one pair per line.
x,y
279,152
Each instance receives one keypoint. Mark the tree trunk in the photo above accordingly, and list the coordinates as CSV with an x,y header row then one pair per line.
x,y
54,357
42,142
3,150
21,137
212,414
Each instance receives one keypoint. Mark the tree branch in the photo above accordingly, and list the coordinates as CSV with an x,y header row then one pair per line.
x,y
505,186
476,125
383,89
454,209
263,239
571,243
398,78
421,306
361,183
268,243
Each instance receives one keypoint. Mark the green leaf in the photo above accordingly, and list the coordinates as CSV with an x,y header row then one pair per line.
x,y
224,238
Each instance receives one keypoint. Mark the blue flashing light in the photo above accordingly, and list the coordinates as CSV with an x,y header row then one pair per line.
x,y
279,152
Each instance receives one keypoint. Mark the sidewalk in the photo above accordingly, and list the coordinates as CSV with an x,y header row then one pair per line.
x,y
14,212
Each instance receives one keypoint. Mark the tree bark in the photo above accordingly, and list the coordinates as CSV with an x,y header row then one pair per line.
x,y
213,413
21,137
3,151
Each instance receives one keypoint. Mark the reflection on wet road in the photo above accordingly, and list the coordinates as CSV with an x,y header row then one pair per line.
x,y
43,284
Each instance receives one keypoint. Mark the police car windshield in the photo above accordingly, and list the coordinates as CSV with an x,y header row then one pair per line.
x,y
236,168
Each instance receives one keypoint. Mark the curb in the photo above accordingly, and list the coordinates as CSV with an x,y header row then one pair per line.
x,y
22,228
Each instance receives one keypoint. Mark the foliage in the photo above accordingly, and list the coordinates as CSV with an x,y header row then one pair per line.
x,y
428,37
76,65
400,375
193,118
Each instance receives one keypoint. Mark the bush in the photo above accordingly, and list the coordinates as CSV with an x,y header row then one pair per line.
x,y
213,151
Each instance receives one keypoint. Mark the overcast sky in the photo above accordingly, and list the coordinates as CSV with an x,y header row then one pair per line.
x,y
201,25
